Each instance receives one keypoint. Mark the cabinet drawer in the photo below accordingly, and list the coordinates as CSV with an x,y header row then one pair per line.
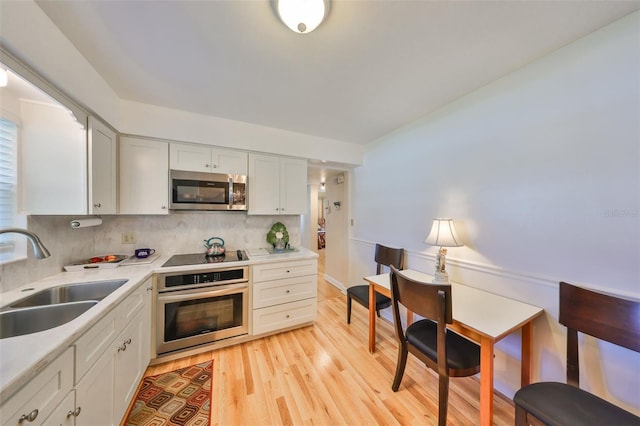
x,y
273,271
286,315
92,344
43,393
276,292
61,415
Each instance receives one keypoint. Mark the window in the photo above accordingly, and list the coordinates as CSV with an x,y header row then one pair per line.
x,y
10,247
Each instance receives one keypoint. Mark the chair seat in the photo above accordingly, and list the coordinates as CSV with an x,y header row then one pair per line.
x,y
360,293
463,354
562,404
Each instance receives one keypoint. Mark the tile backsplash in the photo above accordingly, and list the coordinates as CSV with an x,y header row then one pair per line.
x,y
179,232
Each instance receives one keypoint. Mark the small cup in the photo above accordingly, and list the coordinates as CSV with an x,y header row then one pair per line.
x,y
144,252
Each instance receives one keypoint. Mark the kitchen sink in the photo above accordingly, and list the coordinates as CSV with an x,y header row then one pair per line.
x,y
86,291
39,318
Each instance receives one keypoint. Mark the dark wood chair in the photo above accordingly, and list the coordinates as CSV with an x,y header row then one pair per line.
x,y
605,317
384,256
443,350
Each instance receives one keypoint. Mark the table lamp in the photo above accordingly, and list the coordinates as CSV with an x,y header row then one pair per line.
x,y
443,234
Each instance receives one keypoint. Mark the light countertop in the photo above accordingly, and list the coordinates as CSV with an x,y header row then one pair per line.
x,y
23,357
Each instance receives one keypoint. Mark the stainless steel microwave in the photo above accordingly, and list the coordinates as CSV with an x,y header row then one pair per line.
x,y
207,191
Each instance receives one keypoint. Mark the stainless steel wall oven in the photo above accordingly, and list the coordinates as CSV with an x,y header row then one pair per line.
x,y
200,307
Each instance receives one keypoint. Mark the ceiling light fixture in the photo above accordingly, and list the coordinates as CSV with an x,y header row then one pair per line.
x,y
4,77
302,16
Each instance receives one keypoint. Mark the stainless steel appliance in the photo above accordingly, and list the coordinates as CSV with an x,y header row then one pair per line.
x,y
202,305
207,191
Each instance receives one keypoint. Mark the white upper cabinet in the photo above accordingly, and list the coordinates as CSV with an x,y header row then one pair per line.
x,y
293,186
65,169
144,176
53,161
102,168
201,158
277,185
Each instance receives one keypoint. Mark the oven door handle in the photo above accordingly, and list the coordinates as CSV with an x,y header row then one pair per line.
x,y
221,290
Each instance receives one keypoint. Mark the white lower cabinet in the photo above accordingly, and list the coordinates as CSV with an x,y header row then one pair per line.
x,y
109,384
131,359
94,394
39,399
97,387
284,295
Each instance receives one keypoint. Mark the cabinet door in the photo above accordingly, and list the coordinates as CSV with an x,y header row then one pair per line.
x,y
131,359
189,157
102,168
293,186
144,176
41,396
264,184
53,161
94,394
229,161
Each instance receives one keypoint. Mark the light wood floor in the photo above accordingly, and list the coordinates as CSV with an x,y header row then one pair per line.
x,y
324,375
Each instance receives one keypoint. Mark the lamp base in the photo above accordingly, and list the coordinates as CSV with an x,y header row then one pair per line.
x,y
441,278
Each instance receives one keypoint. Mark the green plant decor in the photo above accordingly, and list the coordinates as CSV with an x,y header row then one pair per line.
x,y
277,227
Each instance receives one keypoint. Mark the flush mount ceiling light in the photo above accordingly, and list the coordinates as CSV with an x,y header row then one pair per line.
x,y
302,16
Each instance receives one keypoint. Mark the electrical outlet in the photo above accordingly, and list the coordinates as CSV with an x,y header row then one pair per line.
x,y
128,238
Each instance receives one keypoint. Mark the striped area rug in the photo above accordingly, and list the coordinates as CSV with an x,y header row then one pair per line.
x,y
181,398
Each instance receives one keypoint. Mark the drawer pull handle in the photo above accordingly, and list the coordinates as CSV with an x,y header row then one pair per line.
x,y
288,291
74,413
124,345
29,417
288,316
288,271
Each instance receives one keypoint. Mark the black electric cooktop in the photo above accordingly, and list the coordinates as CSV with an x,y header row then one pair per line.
x,y
201,259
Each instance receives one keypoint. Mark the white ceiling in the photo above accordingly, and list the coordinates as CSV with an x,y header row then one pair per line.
x,y
372,67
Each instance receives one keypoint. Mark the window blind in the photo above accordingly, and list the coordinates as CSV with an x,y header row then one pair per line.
x,y
8,185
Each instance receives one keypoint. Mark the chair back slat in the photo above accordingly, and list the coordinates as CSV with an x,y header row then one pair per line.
x,y
600,315
387,256
421,298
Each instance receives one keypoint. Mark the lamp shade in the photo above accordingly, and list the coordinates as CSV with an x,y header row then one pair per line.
x,y
443,234
302,16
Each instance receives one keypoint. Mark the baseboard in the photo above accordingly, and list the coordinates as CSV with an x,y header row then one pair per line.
x,y
337,284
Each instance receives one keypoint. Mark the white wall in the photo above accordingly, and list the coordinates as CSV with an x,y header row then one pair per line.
x,y
541,171
337,231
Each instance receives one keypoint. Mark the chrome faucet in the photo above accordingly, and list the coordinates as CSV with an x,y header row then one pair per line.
x,y
39,250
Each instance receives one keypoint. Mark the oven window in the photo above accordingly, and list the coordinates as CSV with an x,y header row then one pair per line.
x,y
193,191
194,317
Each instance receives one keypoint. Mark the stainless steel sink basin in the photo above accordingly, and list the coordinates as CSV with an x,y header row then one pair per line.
x,y
95,290
39,318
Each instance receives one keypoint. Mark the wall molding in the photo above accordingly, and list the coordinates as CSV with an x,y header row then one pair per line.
x,y
416,257
429,259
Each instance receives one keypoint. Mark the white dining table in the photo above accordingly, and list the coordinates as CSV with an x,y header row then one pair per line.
x,y
484,317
